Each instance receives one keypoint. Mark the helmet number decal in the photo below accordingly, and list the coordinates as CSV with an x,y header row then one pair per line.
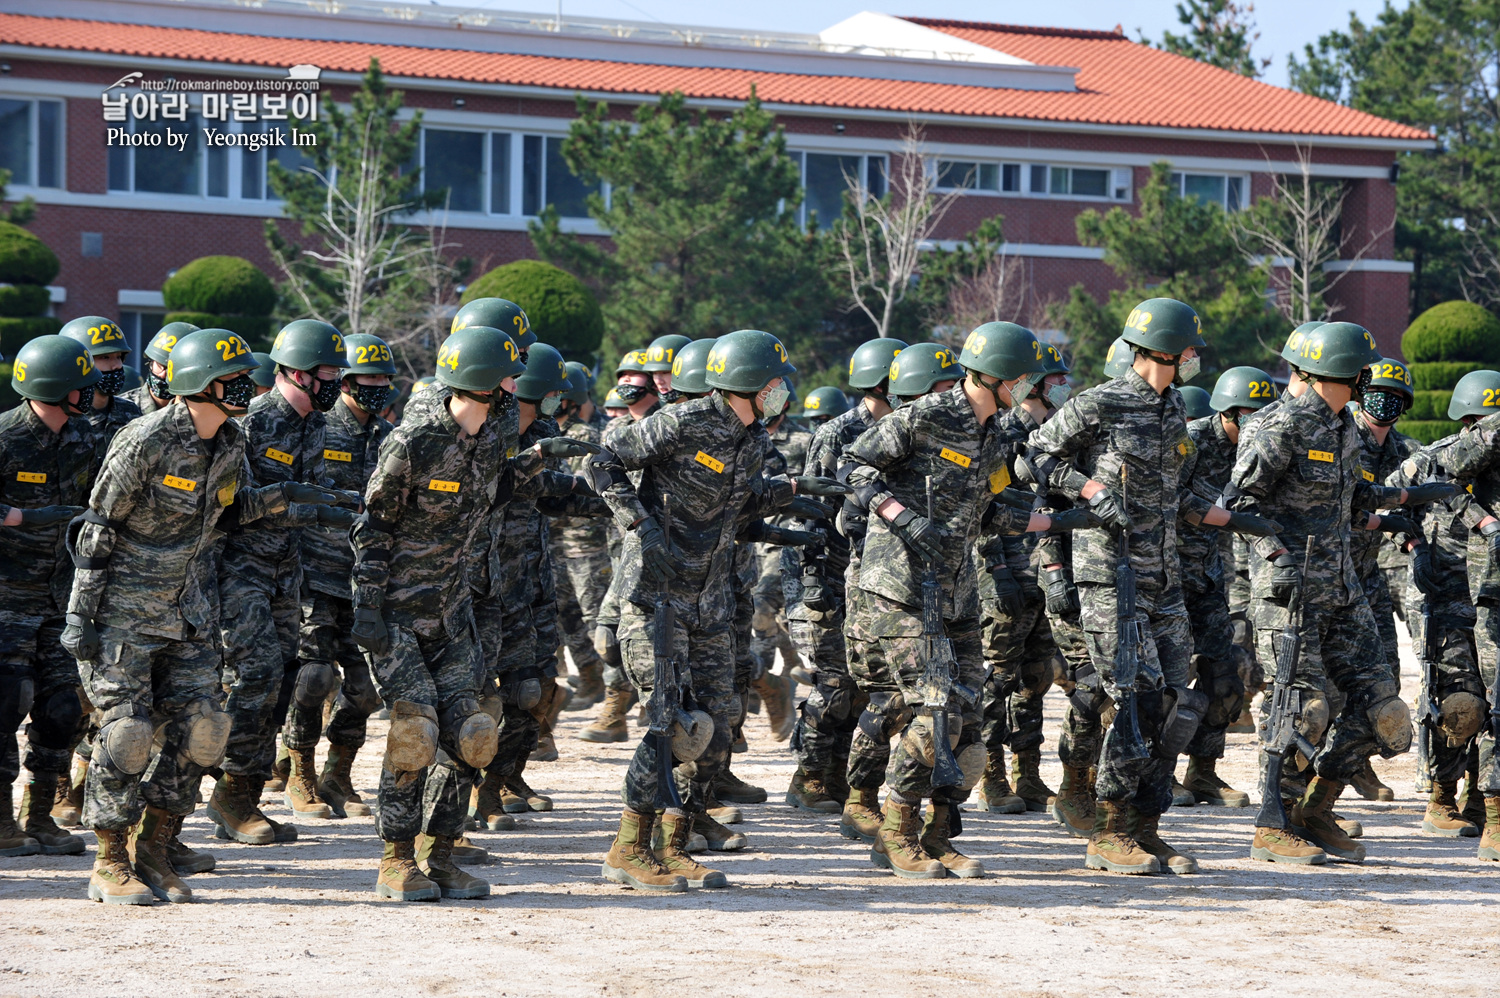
x,y
780,351
975,343
715,363
448,357
338,342
1261,389
1491,398
167,343
1311,349
943,358
659,354
895,370
1038,348
372,353
522,324
510,350
1138,320
1396,373
20,370
232,347
107,333
84,365
677,367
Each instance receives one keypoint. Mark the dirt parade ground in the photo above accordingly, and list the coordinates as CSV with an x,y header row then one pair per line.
x,y
806,913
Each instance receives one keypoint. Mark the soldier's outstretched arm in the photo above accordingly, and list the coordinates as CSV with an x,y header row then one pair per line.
x,y
884,445
374,532
1258,466
1052,446
121,485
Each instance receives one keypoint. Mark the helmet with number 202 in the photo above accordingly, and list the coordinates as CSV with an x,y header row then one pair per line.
x,y
497,313
203,357
747,360
1163,325
1003,350
478,358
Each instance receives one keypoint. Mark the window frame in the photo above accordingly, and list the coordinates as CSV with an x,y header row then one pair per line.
x,y
865,161
1178,179
1026,179
33,138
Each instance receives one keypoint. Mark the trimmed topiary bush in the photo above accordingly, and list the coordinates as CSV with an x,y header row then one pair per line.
x,y
25,259
563,312
1441,374
1454,330
1426,431
1430,405
23,299
220,285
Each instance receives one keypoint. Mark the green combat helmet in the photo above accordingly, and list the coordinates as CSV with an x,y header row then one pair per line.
x,y
497,313
1389,393
1243,388
1118,358
306,345
747,360
1163,325
822,404
368,354
1197,402
916,369
1339,350
1477,394
612,400
1294,341
662,352
545,373
160,347
99,335
870,363
201,358
47,368
690,367
631,362
264,376
1002,350
580,383
477,359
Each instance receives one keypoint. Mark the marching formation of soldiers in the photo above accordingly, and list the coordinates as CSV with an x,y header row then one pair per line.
x,y
208,575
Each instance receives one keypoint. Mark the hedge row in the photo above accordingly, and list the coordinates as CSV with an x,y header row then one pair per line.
x,y
22,300
220,285
1427,430
1453,331
255,329
25,259
16,331
1436,375
563,312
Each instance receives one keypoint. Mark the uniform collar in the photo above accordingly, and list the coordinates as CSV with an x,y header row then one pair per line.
x,y
730,417
1143,387
1313,401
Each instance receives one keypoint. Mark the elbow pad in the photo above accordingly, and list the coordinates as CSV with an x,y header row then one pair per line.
x,y
1035,469
70,541
604,470
864,493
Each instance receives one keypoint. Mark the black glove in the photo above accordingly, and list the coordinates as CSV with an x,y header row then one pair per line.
x,y
369,631
656,560
790,538
808,508
1249,523
1107,507
1422,574
815,595
817,485
1491,533
1418,495
336,516
566,447
46,516
302,492
79,637
1394,523
1008,591
1073,519
1062,595
1285,577
919,533
1017,498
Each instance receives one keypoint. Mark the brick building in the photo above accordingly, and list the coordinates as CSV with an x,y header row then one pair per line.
x,y
1035,124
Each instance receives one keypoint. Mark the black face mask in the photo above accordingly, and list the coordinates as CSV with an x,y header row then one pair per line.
x,y
85,402
671,395
110,382
325,395
157,385
372,398
1362,384
631,394
1383,407
239,393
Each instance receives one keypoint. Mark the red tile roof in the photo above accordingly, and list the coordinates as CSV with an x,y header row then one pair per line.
x,y
1120,82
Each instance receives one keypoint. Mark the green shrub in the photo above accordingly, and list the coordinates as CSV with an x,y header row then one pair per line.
x,y
1427,430
1454,330
23,299
563,312
14,332
25,259
1441,374
1430,405
220,285
255,329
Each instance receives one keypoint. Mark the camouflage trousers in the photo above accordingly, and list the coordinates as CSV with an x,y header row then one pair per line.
x,y
163,679
260,634
437,666
1082,731
325,641
1487,642
508,640
1023,656
1395,584
884,709
707,649
823,736
770,631
895,646
1342,653
37,677
1456,670
1165,654
609,616
581,584
1215,668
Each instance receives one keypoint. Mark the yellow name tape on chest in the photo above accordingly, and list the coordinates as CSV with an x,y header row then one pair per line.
x,y
999,480
34,477
278,455
1320,455
438,485
227,491
962,460
185,484
711,463
1368,477
337,455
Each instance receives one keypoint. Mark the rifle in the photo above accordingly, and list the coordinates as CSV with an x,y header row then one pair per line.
x,y
1280,734
664,710
1428,714
1127,647
939,680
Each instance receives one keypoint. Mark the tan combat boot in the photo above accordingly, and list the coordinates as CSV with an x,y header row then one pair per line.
x,y
1073,807
725,813
1472,801
152,864
284,831
13,841
674,855
36,817
807,793
336,784
435,858
773,693
113,880
399,876
67,805
186,861
280,769
302,785
898,848
610,725
590,687
995,794
861,819
516,786
935,843
1443,817
1313,819
486,806
1489,839
234,807
733,790
1147,833
718,837
1282,845
1368,785
1025,776
1112,846
1207,787
630,860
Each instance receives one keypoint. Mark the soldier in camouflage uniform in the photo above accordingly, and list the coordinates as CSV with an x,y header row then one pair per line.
x,y
1473,457
105,342
260,583
352,434
47,464
142,618
154,391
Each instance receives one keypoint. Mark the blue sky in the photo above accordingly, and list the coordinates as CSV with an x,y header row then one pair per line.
x,y
1285,25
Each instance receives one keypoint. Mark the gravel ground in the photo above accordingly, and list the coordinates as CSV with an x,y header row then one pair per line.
x,y
807,912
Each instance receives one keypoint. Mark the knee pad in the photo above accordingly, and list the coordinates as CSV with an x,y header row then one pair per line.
x,y
205,734
124,742
1185,712
54,721
972,761
917,738
15,703
522,688
474,732
1390,719
1460,716
831,698
691,734
314,682
1226,695
606,641
412,742
883,716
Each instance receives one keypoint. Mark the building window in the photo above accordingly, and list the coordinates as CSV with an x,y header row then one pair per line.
x,y
500,173
255,167
138,328
152,168
455,161
826,176
31,142
1225,190
547,180
1079,182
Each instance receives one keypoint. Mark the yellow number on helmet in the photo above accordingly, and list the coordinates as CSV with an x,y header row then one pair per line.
x,y
168,343
84,367
510,350
20,370
338,342
169,369
781,351
677,367
894,371
1038,348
